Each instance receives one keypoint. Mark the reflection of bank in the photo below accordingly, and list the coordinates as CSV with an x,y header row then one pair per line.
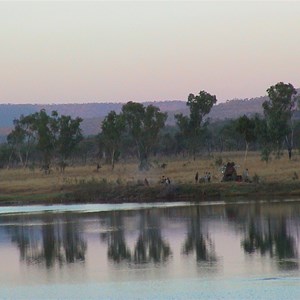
x,y
269,236
149,247
196,235
56,240
268,230
117,249
197,241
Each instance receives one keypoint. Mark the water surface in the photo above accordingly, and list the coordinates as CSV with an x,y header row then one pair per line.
x,y
151,251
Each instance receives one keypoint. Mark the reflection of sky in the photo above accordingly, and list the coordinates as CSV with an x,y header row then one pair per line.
x,y
226,236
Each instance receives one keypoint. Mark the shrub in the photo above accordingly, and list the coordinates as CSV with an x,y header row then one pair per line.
x,y
256,178
219,161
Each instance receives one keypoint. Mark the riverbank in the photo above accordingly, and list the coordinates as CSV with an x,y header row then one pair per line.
x,y
83,184
95,192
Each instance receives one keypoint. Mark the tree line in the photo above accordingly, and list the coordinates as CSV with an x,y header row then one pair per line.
x,y
42,137
140,131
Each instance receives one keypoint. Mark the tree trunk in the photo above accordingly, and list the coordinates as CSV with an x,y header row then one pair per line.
x,y
290,153
144,164
113,160
21,158
289,144
221,145
9,159
246,153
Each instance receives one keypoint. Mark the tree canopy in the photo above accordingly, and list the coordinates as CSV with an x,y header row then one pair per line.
x,y
278,112
139,131
49,134
143,125
112,129
191,128
246,127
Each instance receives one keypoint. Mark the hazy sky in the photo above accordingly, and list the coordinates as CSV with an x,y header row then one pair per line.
x,y
61,52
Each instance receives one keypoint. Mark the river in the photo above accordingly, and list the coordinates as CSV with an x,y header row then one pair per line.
x,y
151,251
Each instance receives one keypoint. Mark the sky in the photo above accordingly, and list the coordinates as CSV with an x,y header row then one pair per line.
x,y
77,52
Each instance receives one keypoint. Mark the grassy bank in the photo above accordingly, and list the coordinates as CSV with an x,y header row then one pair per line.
x,y
279,178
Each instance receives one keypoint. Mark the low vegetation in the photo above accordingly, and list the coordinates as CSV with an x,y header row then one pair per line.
x,y
127,183
47,157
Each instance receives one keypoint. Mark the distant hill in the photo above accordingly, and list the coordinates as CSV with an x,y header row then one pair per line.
x,y
235,108
94,113
9,112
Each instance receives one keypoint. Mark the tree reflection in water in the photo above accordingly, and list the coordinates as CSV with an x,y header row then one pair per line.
x,y
73,244
55,241
271,237
117,250
198,242
150,246
25,239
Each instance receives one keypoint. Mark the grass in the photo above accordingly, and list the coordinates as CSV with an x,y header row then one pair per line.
x,y
126,182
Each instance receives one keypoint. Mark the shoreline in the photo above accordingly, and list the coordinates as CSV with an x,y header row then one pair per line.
x,y
92,193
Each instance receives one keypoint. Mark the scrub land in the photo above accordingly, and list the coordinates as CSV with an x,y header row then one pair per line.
x,y
84,184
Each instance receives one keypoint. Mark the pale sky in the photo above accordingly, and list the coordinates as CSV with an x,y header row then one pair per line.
x,y
64,52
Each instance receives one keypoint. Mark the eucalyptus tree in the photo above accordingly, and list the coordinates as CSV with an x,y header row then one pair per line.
x,y
143,124
68,135
264,138
112,129
22,139
87,150
246,127
45,129
192,127
15,140
49,134
227,137
5,153
278,111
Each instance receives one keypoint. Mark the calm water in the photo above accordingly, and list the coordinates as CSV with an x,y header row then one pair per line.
x,y
181,251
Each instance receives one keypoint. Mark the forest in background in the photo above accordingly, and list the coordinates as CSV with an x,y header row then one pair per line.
x,y
141,131
94,113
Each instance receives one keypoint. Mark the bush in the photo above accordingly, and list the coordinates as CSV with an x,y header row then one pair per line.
x,y
256,178
219,161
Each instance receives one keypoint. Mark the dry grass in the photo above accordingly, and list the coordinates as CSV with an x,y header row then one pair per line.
x,y
19,182
183,170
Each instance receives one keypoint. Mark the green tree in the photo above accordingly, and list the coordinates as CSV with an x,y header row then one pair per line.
x,y
143,124
191,128
68,136
246,127
4,154
264,138
182,136
112,127
15,140
45,128
50,134
167,143
87,150
22,138
278,111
